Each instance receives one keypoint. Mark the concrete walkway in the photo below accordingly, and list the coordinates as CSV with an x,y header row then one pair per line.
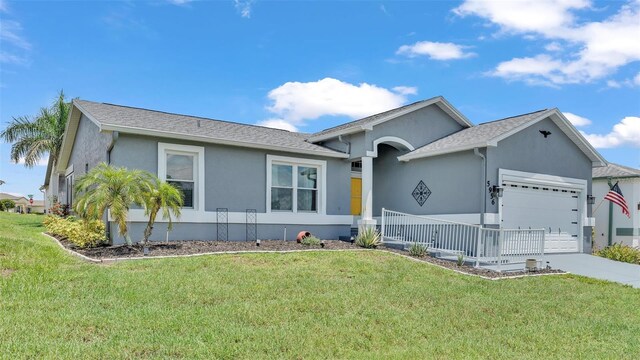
x,y
596,267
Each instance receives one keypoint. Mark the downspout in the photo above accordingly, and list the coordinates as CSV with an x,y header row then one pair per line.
x,y
114,138
348,143
483,203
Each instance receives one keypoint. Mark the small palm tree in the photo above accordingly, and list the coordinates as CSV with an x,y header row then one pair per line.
x,y
33,138
161,196
114,188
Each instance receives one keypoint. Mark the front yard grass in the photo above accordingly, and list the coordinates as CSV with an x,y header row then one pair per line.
x,y
298,305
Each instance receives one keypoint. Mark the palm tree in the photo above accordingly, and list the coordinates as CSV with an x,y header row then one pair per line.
x,y
161,196
33,138
114,188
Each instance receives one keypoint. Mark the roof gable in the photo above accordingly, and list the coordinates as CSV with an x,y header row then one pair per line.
x,y
369,122
491,133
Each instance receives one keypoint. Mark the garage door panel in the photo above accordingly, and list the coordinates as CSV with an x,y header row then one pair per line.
x,y
554,211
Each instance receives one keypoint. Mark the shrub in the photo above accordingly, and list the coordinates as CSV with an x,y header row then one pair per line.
x,y
7,204
82,234
418,250
620,252
368,238
59,209
310,241
460,261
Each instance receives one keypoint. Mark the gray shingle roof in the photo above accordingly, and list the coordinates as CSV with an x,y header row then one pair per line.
x,y
615,170
476,135
143,119
367,120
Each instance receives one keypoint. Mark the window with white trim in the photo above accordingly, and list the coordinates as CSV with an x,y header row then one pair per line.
x,y
295,185
181,170
183,167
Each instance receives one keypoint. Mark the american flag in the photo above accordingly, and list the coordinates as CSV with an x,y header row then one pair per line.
x,y
615,196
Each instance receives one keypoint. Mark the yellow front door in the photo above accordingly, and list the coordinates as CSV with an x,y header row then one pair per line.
x,y
356,196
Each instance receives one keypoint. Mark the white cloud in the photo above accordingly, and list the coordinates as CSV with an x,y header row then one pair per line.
x,y
10,32
42,162
594,50
524,16
405,90
243,7
534,70
15,47
278,124
8,58
624,133
614,84
553,46
435,50
576,120
633,82
294,103
179,2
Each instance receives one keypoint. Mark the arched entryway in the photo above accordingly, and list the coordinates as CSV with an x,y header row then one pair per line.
x,y
366,192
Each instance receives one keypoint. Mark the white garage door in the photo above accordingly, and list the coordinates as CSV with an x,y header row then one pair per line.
x,y
539,207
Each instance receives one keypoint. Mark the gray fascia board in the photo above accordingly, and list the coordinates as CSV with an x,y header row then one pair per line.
x,y
170,135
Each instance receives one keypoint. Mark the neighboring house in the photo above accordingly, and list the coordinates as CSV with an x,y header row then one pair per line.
x,y
623,229
23,205
425,158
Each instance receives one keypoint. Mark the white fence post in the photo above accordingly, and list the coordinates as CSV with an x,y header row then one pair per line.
x,y
382,225
500,233
478,241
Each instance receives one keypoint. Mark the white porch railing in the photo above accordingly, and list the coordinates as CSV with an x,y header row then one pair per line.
x,y
489,247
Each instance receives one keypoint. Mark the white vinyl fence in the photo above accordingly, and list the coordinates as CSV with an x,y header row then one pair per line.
x,y
482,245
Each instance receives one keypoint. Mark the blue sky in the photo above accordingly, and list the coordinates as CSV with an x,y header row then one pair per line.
x,y
312,65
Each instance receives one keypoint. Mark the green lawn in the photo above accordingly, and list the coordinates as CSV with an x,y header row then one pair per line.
x,y
305,305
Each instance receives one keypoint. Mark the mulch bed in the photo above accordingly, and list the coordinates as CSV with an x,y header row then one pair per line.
x,y
476,271
198,247
192,247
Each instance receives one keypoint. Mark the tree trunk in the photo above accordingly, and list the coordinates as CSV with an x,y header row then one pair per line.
x,y
149,228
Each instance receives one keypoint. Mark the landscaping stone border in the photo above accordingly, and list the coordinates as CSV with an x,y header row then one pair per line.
x,y
112,260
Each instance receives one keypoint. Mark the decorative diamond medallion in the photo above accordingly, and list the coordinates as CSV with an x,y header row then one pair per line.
x,y
421,193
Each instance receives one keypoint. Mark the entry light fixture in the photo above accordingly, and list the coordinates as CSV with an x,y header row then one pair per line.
x,y
591,199
496,191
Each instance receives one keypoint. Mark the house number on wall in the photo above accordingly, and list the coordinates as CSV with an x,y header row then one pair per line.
x,y
421,193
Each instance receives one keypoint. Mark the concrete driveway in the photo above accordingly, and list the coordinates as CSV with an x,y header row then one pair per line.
x,y
596,267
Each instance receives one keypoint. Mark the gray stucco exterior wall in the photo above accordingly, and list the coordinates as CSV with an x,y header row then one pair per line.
x,y
89,149
236,232
453,179
235,178
418,128
529,151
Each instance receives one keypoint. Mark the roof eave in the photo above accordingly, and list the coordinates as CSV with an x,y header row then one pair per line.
x,y
617,177
410,156
439,100
165,134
